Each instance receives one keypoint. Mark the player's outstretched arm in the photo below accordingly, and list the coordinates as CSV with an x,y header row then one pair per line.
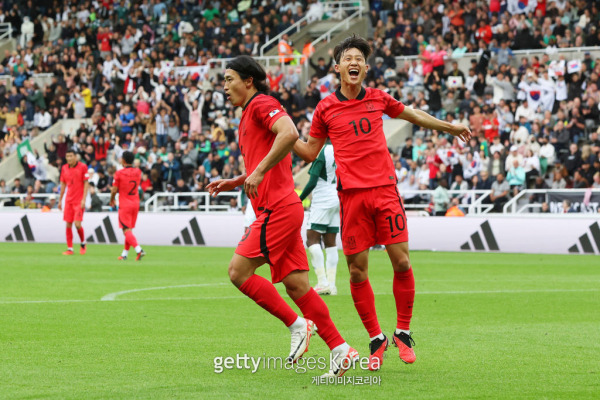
x,y
425,120
225,185
287,135
312,183
308,151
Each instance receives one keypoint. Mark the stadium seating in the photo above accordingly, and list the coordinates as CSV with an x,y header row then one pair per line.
x,y
140,74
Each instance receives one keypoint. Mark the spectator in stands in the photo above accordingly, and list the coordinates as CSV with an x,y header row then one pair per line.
x,y
96,202
171,169
460,184
182,188
596,183
500,193
579,182
441,198
516,177
123,66
558,182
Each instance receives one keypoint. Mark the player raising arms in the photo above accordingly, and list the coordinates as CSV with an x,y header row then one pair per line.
x,y
126,182
267,135
324,219
74,177
370,205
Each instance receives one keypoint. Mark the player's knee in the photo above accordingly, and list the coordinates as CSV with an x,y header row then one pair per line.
x,y
296,285
297,289
235,276
357,273
402,263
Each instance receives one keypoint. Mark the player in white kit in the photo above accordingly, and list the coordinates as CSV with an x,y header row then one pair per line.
x,y
324,219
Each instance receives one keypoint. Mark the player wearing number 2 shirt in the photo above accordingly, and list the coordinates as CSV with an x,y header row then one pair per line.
x,y
126,182
371,209
267,135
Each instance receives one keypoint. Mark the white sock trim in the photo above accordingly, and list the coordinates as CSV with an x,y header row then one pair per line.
x,y
344,347
332,262
399,331
380,337
318,260
298,324
138,248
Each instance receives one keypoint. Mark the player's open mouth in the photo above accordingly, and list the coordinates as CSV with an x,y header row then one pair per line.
x,y
353,72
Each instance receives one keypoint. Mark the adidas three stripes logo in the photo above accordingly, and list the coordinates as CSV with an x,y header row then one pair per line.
x,y
478,242
98,235
186,238
585,242
19,230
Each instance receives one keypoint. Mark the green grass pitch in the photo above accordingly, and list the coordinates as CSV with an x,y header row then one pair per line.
x,y
486,326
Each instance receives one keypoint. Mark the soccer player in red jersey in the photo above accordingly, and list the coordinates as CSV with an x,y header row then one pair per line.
x,y
371,209
74,177
126,182
267,135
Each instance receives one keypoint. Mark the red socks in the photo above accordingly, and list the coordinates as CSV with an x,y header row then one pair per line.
x,y
364,301
314,308
404,293
69,238
311,304
130,238
265,295
81,235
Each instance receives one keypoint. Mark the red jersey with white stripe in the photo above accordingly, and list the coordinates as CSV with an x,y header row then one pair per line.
x,y
75,179
127,180
355,128
256,140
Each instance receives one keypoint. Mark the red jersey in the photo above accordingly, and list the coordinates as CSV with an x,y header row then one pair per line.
x,y
355,128
127,181
490,128
75,179
256,140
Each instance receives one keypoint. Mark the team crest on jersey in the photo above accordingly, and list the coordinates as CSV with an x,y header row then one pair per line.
x,y
274,113
350,242
369,105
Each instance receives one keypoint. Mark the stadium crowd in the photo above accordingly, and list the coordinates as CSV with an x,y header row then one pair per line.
x,y
536,122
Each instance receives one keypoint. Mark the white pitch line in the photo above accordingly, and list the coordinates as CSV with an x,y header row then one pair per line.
x,y
242,297
509,291
113,296
45,301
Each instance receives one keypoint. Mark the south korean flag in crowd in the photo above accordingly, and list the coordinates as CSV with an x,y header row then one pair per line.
x,y
521,6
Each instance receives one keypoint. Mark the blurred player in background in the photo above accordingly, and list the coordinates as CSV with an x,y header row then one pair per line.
x,y
324,219
73,180
371,208
267,135
249,216
127,182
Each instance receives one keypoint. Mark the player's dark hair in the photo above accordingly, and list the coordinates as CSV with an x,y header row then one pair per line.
x,y
71,150
248,67
353,42
128,157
